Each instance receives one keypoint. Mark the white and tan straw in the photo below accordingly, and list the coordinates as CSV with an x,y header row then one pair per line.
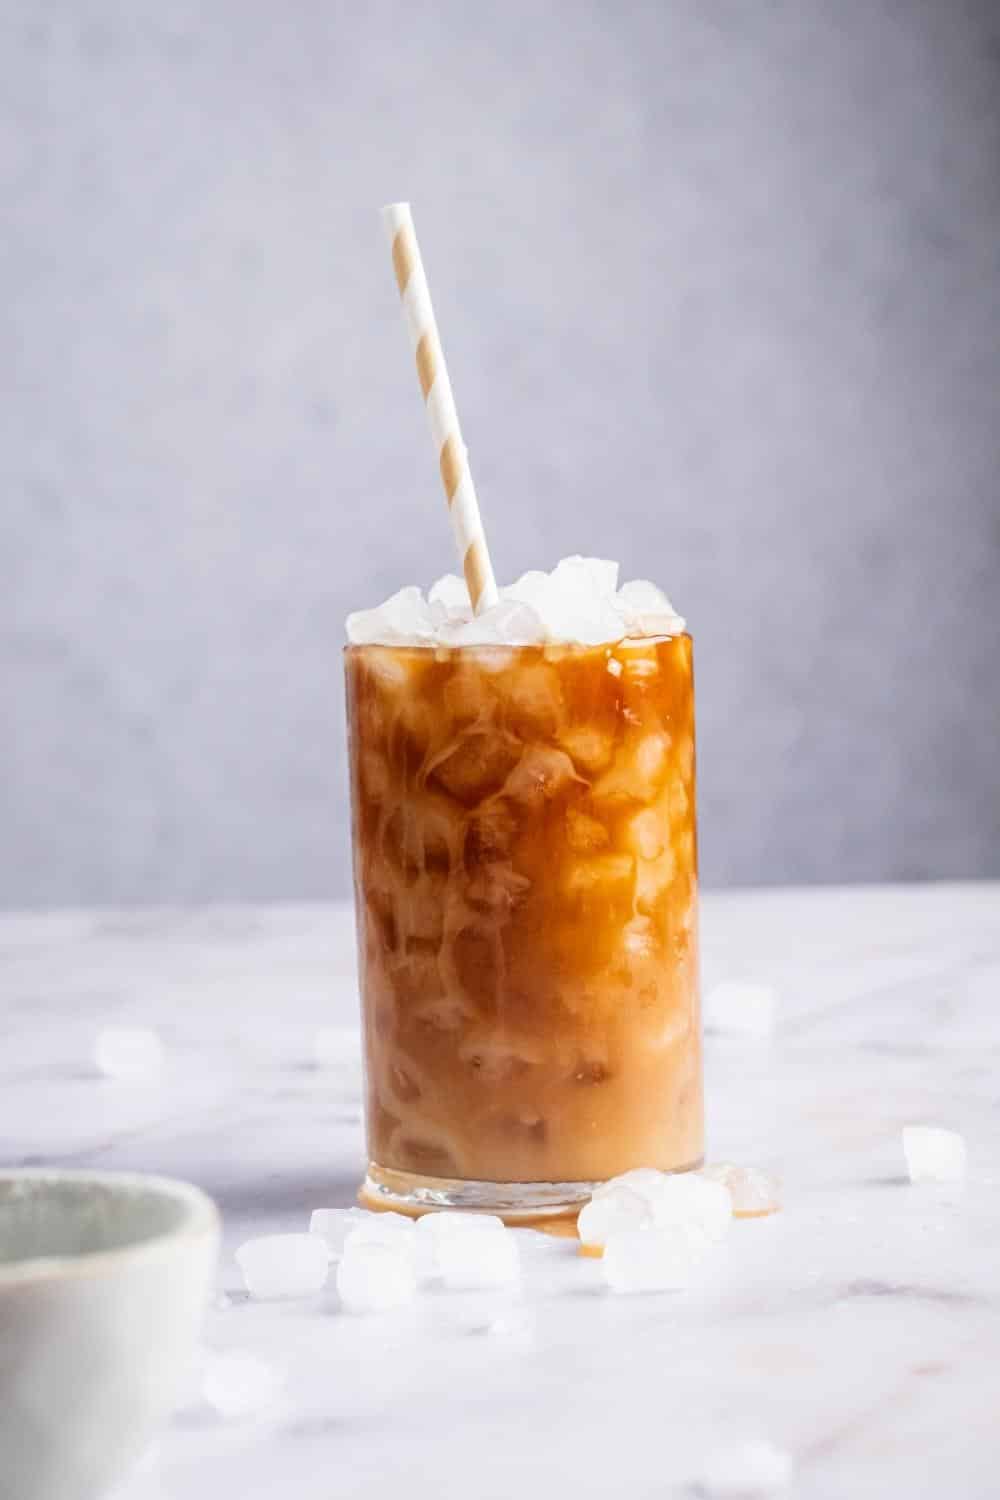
x,y
453,459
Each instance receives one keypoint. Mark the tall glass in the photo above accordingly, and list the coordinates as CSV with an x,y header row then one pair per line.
x,y
525,873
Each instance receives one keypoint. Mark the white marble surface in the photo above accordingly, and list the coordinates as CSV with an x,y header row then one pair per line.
x,y
860,1328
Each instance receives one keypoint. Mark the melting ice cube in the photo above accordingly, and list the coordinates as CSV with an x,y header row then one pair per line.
x,y
753,1192
612,1210
374,1276
650,1260
933,1155
333,1226
283,1265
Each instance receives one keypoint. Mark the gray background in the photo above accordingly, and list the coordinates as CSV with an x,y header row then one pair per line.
x,y
718,281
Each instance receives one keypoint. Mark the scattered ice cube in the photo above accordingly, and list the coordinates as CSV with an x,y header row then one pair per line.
x,y
239,1384
333,1225
650,1260
467,1262
610,1211
934,1155
434,1228
753,1192
406,616
646,1198
383,1229
130,1053
689,1202
737,1009
746,1469
374,1276
283,1265
336,1046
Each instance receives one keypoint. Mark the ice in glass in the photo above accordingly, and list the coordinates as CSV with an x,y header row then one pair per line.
x,y
526,882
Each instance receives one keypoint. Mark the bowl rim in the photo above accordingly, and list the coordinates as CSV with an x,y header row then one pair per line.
x,y
201,1220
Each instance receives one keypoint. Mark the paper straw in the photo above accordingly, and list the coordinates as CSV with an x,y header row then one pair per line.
x,y
453,458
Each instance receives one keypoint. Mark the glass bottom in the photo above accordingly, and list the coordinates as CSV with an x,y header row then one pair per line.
x,y
514,1202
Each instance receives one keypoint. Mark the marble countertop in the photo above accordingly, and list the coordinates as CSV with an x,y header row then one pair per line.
x,y
859,1329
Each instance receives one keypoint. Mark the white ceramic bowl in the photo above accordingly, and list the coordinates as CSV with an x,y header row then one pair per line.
x,y
104,1282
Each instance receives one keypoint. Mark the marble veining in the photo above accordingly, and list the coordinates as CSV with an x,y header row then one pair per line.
x,y
860,1328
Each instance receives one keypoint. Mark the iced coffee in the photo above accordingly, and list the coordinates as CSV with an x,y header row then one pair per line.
x,y
526,881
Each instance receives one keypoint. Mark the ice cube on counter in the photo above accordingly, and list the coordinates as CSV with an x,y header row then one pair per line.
x,y
645,1198
131,1054
650,1260
452,1242
748,1469
470,1262
238,1384
735,1008
752,1191
933,1154
611,1210
375,1276
333,1226
284,1265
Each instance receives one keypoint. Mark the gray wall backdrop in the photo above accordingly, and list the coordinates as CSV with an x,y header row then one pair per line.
x,y
719,282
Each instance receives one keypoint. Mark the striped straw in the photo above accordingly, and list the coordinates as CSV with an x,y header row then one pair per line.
x,y
453,458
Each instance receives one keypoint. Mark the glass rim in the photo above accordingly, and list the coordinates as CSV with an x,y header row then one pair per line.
x,y
510,648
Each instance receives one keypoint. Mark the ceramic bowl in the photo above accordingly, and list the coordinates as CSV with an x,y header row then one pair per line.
x,y
104,1282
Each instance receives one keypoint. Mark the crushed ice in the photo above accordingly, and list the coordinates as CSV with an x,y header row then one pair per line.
x,y
579,602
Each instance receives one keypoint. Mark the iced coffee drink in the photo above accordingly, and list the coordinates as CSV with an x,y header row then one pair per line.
x,y
525,864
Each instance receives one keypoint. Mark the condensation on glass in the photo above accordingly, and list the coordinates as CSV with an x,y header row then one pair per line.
x,y
525,869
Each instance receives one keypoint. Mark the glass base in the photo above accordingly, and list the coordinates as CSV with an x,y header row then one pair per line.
x,y
514,1202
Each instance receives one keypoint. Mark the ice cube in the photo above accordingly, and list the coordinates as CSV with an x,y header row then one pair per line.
x,y
382,1229
611,1210
531,588
337,1046
735,1008
594,576
578,605
374,1276
333,1225
672,1200
452,592
647,610
540,774
470,1261
933,1155
405,617
129,1053
509,623
283,1265
434,1228
650,1260
639,1179
745,1469
239,1384
689,1202
753,1192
